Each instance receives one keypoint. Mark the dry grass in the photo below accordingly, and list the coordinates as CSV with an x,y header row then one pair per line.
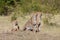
x,y
46,33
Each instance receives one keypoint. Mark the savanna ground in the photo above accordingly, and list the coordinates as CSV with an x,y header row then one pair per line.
x,y
46,32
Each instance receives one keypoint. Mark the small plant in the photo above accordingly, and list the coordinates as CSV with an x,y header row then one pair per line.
x,y
14,17
45,20
52,24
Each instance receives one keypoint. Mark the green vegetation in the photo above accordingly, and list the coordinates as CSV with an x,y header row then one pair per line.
x,y
50,6
24,7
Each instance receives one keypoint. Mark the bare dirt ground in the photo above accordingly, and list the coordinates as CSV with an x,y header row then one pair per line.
x,y
44,34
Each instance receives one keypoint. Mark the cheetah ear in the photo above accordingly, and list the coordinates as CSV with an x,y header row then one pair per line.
x,y
24,29
18,27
